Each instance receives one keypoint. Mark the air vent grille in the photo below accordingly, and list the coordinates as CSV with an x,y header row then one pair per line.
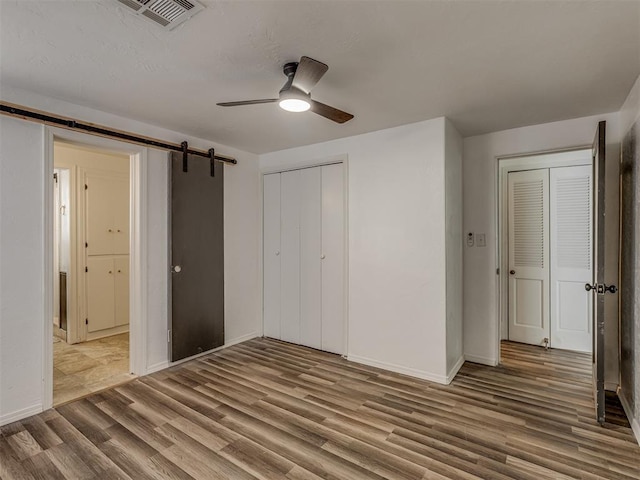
x,y
167,13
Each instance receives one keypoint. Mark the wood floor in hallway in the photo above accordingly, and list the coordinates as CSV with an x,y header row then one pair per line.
x,y
270,410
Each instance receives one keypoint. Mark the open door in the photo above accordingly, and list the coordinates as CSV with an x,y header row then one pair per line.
x,y
599,288
197,256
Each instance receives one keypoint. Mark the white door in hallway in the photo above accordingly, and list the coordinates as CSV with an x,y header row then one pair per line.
x,y
528,199
571,233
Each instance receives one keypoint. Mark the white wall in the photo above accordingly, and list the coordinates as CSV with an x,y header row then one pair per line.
x,y
396,259
453,245
22,247
21,268
480,215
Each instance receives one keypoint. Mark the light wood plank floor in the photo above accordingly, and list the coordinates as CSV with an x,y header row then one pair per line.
x,y
269,410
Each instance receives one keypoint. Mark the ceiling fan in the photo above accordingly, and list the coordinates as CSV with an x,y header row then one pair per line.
x,y
295,96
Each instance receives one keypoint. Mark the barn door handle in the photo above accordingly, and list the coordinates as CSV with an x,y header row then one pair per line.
x,y
601,289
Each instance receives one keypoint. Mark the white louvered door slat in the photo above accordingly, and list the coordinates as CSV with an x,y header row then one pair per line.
x,y
571,232
528,200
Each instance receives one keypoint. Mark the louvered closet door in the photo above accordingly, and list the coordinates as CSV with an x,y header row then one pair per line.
x,y
528,195
571,231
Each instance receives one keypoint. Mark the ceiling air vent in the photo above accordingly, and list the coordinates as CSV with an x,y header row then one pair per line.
x,y
167,13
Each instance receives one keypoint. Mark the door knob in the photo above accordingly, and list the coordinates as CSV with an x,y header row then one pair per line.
x,y
512,272
588,287
176,269
610,288
323,256
277,252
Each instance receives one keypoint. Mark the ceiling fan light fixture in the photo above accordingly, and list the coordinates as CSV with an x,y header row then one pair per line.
x,y
293,101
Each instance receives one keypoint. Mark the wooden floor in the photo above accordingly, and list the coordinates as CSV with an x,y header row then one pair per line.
x,y
266,409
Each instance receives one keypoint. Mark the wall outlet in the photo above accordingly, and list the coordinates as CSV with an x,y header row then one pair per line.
x,y
470,239
481,240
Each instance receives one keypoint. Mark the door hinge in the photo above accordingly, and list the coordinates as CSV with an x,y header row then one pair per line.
x,y
86,269
86,321
55,177
168,336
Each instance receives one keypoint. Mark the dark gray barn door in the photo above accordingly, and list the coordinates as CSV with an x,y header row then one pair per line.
x,y
599,288
197,257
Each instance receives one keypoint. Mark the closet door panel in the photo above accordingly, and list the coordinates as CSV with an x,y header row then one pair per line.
x,y
100,293
290,256
99,214
333,262
120,207
571,266
310,261
121,286
271,255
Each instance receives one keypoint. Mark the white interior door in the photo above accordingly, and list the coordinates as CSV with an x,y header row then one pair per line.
x,y
271,255
571,233
333,259
290,256
56,247
528,199
311,292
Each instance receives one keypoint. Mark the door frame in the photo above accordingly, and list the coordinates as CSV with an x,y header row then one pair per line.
x,y
138,278
514,163
344,160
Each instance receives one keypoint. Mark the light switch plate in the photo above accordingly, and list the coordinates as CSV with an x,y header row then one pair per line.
x,y
481,240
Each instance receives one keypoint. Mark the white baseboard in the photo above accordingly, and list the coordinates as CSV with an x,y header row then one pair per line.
x,y
20,414
156,367
492,362
413,372
454,370
241,339
635,422
228,344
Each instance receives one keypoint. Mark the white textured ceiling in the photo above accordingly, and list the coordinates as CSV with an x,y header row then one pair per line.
x,y
486,65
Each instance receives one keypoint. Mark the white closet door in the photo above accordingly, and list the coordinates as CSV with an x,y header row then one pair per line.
x,y
99,214
529,256
290,256
100,294
571,232
121,289
333,261
271,255
120,198
310,262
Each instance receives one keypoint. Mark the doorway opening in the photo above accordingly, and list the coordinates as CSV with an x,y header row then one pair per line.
x,y
545,250
90,275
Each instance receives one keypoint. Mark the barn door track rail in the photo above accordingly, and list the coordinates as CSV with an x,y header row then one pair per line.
x,y
46,118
